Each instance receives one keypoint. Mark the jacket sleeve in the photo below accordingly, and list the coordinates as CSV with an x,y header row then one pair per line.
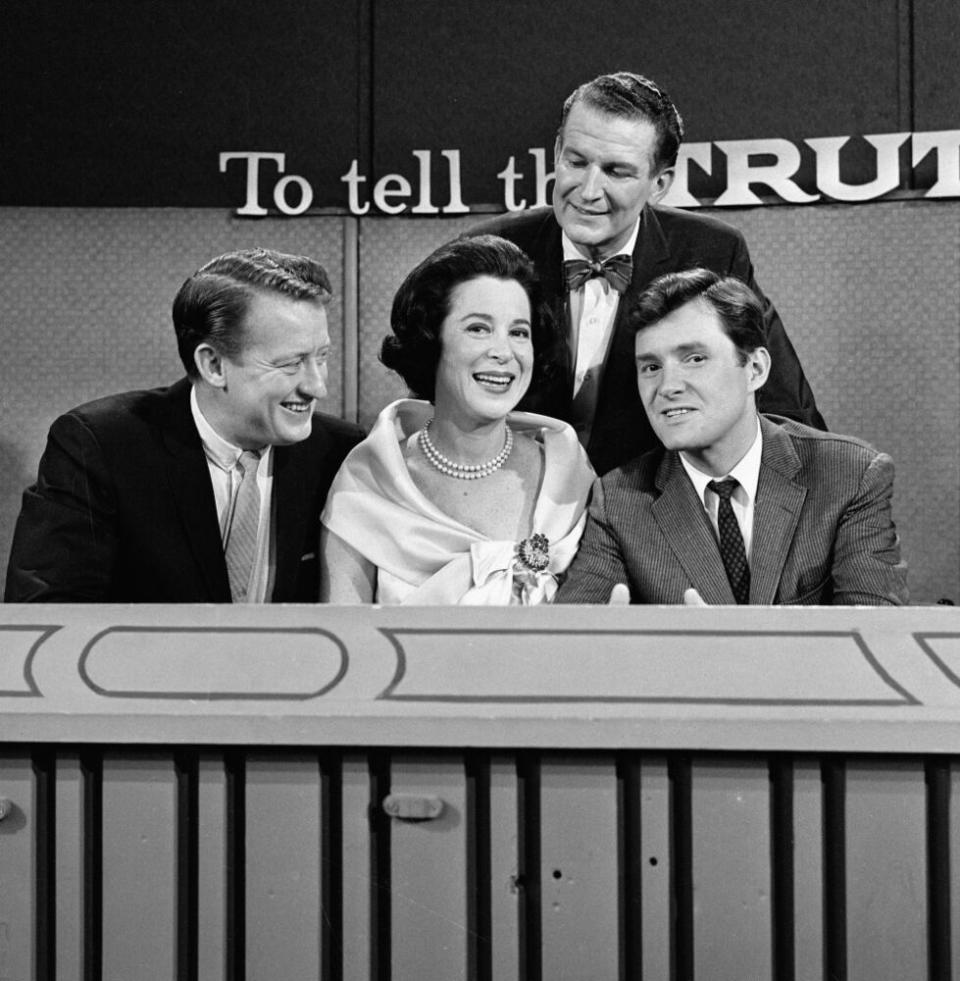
x,y
867,567
787,391
65,541
598,565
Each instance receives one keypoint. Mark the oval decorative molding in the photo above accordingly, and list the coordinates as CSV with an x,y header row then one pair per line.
x,y
215,663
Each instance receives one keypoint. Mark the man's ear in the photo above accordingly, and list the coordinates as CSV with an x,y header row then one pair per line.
x,y
209,364
662,184
758,363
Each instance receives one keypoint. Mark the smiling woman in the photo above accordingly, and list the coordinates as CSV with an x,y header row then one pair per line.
x,y
455,497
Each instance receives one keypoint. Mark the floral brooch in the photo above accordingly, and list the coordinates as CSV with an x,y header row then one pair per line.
x,y
534,552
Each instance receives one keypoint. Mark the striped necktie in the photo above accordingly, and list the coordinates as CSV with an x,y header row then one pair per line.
x,y
241,547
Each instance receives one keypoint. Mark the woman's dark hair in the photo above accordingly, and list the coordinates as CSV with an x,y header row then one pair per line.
x,y
423,302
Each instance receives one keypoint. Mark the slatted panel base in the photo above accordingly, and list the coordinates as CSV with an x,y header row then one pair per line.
x,y
261,864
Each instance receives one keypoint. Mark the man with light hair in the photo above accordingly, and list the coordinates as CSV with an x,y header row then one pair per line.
x,y
210,490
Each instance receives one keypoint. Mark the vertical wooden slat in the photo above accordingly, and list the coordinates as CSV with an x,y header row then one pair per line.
x,y
331,868
528,860
782,896
834,780
68,862
139,821
808,871
187,874
356,862
428,873
656,868
283,828
45,804
17,868
681,840
478,865
211,869
886,858
731,869
955,867
578,870
504,869
938,868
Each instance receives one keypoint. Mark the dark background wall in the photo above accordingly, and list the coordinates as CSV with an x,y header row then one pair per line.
x,y
112,119
108,103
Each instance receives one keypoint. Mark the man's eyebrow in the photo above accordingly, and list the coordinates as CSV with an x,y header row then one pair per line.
x,y
680,349
300,354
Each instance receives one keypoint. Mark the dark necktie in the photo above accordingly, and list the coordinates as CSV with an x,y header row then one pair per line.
x,y
731,541
617,271
241,547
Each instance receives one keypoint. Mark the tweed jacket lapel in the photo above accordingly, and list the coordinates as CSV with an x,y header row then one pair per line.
x,y
776,512
687,530
188,479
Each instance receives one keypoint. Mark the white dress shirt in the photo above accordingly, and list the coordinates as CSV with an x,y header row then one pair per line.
x,y
593,311
743,499
225,476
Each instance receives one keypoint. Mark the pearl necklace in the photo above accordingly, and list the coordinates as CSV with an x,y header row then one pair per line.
x,y
463,471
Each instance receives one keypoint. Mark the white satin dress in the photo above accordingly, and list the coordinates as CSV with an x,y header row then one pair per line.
x,y
425,557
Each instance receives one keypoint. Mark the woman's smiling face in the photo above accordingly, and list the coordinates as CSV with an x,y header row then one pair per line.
x,y
486,350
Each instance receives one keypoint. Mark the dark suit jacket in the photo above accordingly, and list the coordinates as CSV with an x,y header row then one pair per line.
x,y
822,529
123,508
670,240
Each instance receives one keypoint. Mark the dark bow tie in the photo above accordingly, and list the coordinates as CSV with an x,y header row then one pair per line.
x,y
617,271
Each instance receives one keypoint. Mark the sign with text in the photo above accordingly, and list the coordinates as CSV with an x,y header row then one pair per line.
x,y
723,173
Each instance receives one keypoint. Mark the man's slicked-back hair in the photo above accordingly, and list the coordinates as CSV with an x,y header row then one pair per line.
x,y
633,96
210,306
737,306
422,303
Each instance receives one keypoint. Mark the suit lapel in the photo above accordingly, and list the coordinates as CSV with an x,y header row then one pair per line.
x,y
688,532
776,512
188,480
294,490
650,258
549,243
619,414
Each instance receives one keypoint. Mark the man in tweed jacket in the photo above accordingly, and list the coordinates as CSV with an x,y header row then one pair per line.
x,y
813,509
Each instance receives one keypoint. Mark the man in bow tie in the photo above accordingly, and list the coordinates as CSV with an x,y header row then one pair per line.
x,y
604,240
209,490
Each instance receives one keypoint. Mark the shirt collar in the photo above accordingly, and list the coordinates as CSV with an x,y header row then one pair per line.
x,y
570,251
219,452
746,472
